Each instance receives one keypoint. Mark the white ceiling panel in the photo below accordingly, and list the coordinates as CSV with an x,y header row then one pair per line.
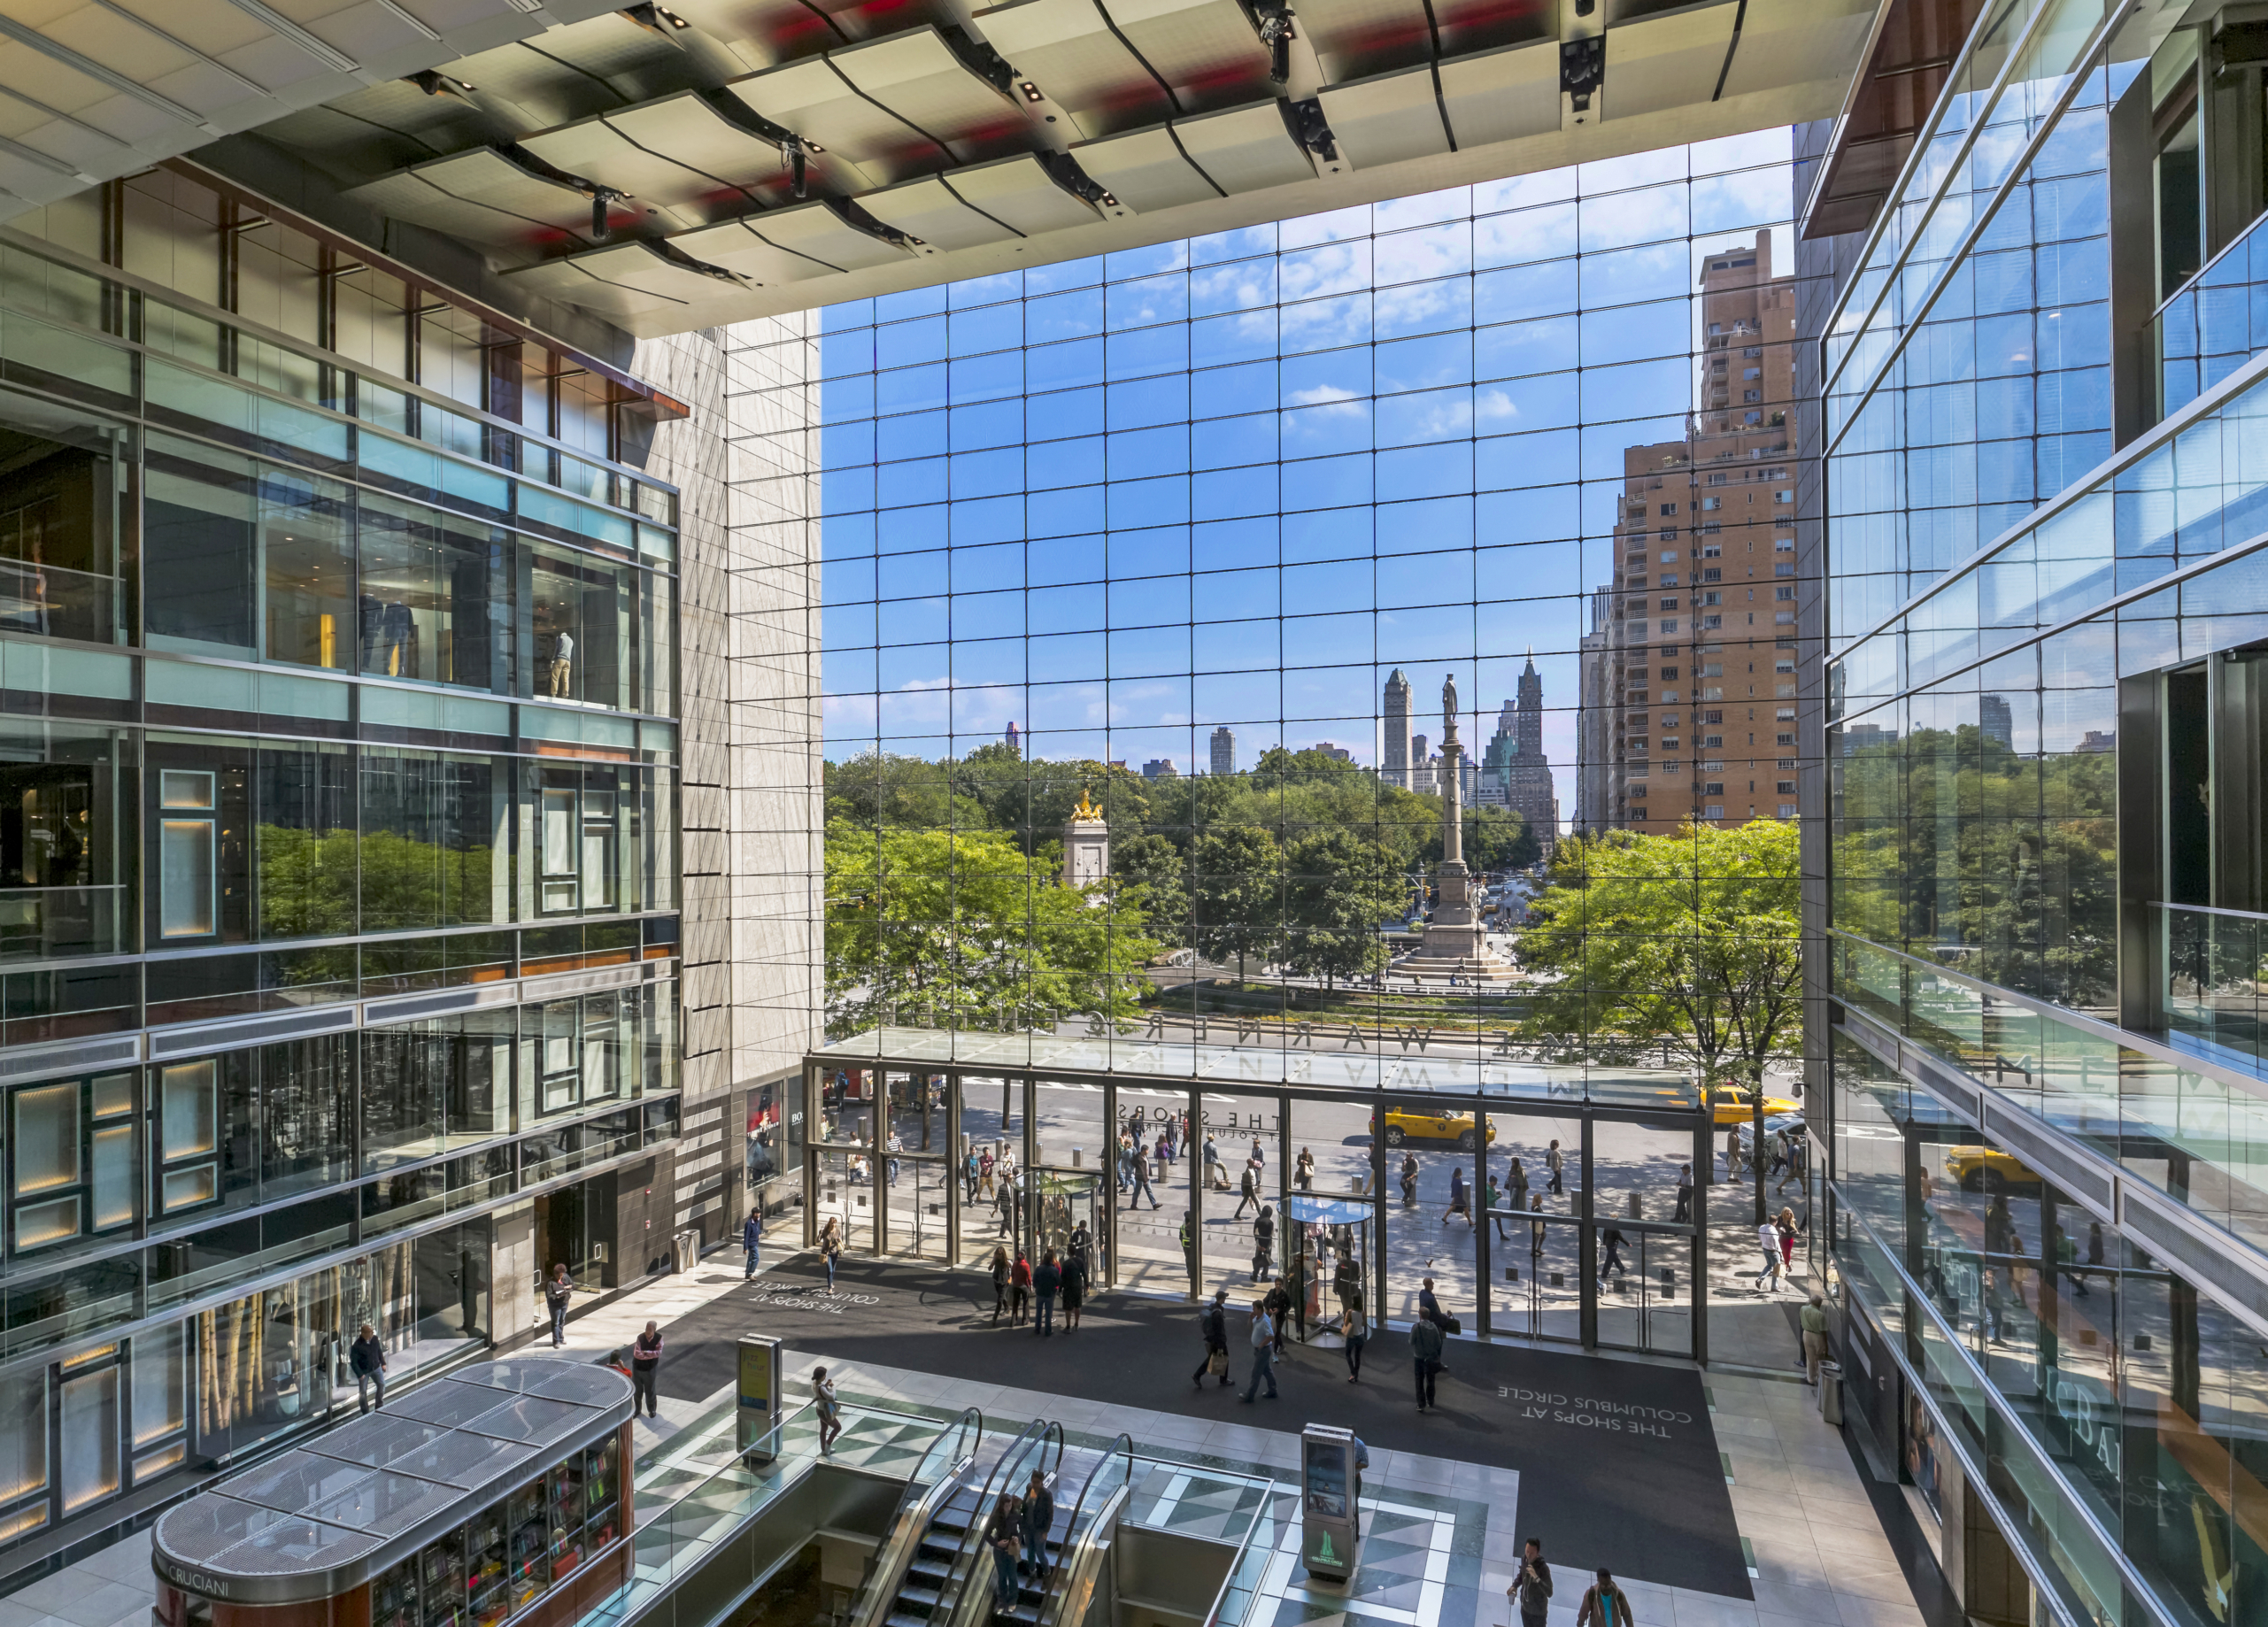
x,y
816,103
623,279
484,197
1654,64
1246,149
1144,169
731,245
1385,120
815,229
1354,37
931,211
1502,94
1020,192
597,151
765,33
917,75
1067,49
1793,41
1206,49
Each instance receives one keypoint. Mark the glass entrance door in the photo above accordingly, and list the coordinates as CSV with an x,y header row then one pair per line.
x,y
1645,1287
1538,1285
1327,1262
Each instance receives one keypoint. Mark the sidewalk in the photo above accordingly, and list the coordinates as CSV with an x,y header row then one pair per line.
x,y
1816,1552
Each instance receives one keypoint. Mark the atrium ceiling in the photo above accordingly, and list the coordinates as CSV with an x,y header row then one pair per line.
x,y
680,166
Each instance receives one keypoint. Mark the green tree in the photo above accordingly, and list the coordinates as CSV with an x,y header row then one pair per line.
x,y
1236,893
875,789
960,929
1339,891
1688,942
1156,876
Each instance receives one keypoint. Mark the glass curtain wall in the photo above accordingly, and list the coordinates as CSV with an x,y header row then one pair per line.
x,y
1174,600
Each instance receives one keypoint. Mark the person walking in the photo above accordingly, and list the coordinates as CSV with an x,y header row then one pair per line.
x,y
1555,1162
970,1169
1409,1180
1004,1535
1002,1271
1005,1203
1279,1302
1263,1242
645,1366
558,1292
751,1241
1248,1187
1613,1263
830,1410
1189,1248
1038,1521
1768,1239
984,1169
1784,1224
1460,1200
1140,1187
1303,1171
366,1359
1515,1185
1354,1328
1531,1589
1605,1605
1536,1226
1045,1281
1075,1289
1214,1179
1212,1321
831,1248
1425,1346
1814,1319
1684,1193
1263,1353
1492,1204
1018,1289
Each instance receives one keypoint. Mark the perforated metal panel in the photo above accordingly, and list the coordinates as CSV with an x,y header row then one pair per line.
x,y
1502,94
1247,150
1067,49
937,214
1657,63
1144,170
1386,119
1018,192
737,247
1789,41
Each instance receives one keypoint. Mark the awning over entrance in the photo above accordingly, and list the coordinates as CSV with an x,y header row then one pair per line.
x,y
1327,1057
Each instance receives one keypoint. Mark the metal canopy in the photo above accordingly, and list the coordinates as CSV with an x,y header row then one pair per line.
x,y
324,1518
921,129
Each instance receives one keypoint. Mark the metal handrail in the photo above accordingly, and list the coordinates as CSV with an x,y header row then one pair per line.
x,y
1122,1446
1077,1552
917,1505
1033,1439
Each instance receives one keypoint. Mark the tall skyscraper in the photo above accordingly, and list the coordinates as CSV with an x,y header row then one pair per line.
x,y
1513,771
1393,756
1995,722
1703,646
1224,751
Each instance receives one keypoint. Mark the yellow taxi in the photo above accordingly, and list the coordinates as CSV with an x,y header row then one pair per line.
x,y
1981,1168
1736,1104
1408,1122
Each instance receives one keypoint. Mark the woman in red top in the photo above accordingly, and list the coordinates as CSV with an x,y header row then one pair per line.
x,y
1020,1288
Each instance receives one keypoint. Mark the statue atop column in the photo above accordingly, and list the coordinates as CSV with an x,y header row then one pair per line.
x,y
1087,844
1453,786
1454,943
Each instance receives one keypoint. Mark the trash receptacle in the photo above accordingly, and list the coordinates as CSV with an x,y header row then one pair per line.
x,y
686,1250
1831,1393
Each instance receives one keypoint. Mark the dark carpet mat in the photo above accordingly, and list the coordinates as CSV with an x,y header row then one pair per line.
x,y
1617,1462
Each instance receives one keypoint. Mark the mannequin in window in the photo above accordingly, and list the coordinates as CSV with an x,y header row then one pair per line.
x,y
562,664
395,637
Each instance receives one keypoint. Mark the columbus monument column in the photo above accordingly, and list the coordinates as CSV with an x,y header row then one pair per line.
x,y
1454,933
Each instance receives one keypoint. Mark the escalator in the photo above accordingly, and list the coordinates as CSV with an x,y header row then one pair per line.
x,y
934,1569
1078,1544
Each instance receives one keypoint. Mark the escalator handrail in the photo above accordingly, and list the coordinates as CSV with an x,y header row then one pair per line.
x,y
1033,1437
1079,1547
917,1505
1121,1447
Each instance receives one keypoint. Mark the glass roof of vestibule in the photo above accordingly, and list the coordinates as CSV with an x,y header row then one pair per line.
x,y
1334,1056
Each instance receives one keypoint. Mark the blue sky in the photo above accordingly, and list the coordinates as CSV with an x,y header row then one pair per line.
x,y
1237,479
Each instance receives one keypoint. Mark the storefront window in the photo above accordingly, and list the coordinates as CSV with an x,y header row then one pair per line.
x,y
581,613
434,600
435,840
76,1160
200,517
60,522
307,567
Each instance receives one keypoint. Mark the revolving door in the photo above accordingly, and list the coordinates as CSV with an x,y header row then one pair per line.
x,y
1326,1261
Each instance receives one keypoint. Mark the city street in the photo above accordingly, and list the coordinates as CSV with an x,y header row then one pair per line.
x,y
1533,1267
